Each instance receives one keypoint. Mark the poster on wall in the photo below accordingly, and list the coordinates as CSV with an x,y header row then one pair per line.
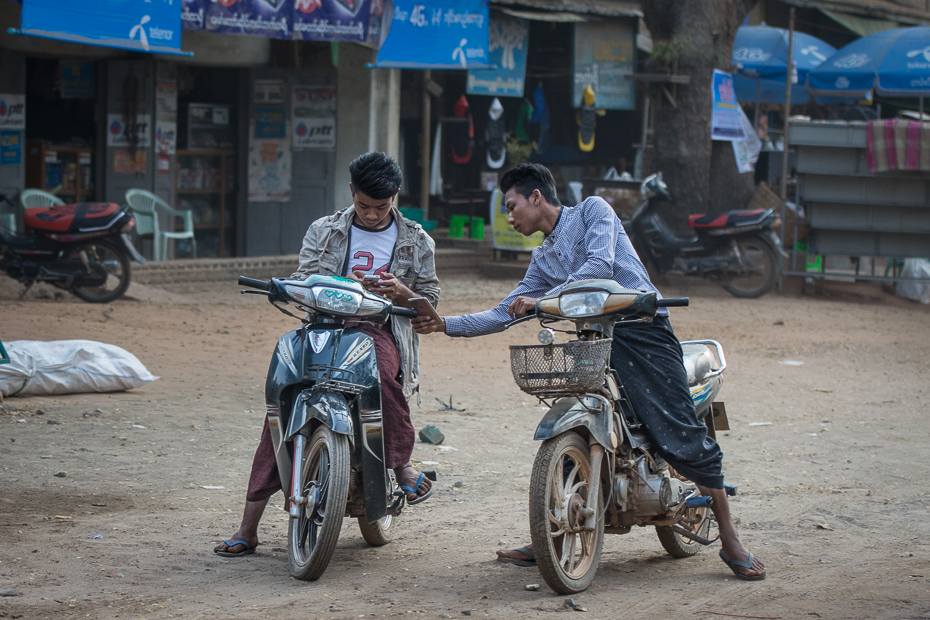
x,y
332,20
269,170
505,237
604,54
117,131
725,121
508,40
257,18
12,111
166,118
270,123
314,124
746,152
11,147
124,162
268,91
77,80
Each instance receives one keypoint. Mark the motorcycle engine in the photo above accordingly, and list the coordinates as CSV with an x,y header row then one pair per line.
x,y
647,494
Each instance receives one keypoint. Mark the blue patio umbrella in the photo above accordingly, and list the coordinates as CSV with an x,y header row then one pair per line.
x,y
896,63
761,55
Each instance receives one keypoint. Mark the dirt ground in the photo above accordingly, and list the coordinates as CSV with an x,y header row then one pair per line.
x,y
831,458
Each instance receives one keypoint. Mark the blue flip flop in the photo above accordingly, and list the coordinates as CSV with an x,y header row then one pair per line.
x,y
226,554
420,498
732,564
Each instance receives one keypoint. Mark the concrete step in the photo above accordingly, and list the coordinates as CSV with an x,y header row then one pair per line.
x,y
460,258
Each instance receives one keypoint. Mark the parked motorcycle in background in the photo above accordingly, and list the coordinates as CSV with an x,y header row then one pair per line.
x,y
323,400
737,248
82,248
596,470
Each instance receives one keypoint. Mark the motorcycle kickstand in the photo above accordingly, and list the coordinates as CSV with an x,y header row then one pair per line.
x,y
26,290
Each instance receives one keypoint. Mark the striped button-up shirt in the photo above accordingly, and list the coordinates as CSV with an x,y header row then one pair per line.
x,y
588,242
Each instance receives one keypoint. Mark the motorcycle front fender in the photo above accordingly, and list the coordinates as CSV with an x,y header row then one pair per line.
x,y
131,249
329,408
590,412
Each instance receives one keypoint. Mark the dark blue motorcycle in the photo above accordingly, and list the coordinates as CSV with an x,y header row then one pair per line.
x,y
323,400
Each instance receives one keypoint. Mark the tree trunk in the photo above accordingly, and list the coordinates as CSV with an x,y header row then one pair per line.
x,y
694,37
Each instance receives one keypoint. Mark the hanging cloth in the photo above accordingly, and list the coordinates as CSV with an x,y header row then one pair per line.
x,y
523,119
587,117
496,131
462,134
435,168
541,118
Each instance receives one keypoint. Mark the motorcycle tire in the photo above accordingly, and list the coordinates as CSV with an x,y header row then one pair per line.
x,y
567,557
760,278
696,520
105,260
378,534
324,474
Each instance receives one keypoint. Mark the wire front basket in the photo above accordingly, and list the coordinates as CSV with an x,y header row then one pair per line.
x,y
560,369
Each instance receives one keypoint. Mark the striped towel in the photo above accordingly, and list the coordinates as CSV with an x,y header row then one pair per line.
x,y
897,145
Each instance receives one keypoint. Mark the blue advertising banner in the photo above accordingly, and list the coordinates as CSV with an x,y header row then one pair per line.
x,y
142,25
270,123
77,80
332,20
261,18
193,14
444,34
508,41
725,121
11,148
604,54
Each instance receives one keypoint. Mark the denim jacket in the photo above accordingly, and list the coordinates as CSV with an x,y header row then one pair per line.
x,y
324,252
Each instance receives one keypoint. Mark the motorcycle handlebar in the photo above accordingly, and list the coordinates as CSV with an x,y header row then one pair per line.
x,y
407,312
253,283
674,302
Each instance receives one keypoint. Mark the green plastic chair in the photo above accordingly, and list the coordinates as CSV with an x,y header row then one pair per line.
x,y
145,205
36,198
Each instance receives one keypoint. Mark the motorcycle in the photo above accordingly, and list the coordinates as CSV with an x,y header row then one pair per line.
x,y
596,470
82,248
738,248
323,402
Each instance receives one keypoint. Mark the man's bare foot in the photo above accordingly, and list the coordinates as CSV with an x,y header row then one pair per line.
x,y
744,565
418,486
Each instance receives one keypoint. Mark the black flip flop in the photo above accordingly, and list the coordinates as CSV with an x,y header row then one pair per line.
x,y
525,551
249,550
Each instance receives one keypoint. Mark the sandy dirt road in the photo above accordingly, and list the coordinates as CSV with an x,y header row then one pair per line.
x,y
833,491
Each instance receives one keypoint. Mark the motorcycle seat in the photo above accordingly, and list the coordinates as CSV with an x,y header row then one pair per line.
x,y
71,218
698,362
733,219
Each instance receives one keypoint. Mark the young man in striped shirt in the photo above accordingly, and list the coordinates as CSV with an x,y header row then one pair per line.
x,y
588,242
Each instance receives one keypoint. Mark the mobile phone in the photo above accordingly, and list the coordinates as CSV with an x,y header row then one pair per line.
x,y
371,279
424,308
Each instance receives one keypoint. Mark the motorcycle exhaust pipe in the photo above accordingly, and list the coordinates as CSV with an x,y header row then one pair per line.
x,y
692,536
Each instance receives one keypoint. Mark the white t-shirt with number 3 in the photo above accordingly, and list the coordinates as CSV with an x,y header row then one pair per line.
x,y
370,250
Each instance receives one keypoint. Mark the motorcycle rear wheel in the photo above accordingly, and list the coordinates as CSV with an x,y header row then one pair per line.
x,y
312,537
104,261
378,534
567,556
758,275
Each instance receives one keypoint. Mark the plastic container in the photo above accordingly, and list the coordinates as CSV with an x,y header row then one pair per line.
x,y
457,226
476,228
414,214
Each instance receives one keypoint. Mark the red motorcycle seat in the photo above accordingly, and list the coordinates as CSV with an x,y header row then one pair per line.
x,y
726,220
71,218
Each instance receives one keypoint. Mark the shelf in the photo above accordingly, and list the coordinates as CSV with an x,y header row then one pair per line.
x,y
204,191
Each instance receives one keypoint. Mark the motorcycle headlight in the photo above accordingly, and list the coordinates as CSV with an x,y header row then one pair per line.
x,y
300,293
337,300
587,303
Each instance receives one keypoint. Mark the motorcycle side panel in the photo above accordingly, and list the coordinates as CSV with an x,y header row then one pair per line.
x,y
567,413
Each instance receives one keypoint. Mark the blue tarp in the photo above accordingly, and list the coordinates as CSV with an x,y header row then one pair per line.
x,y
142,25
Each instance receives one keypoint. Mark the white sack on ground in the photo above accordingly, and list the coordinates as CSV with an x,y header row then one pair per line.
x,y
69,366
917,291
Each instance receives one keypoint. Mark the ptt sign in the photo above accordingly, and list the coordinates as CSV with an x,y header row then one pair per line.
x,y
315,133
118,136
12,111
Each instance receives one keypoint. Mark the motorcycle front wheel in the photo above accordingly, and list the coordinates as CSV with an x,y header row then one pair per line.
x,y
324,475
105,271
755,272
567,555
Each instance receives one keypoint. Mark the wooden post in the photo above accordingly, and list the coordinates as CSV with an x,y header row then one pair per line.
x,y
425,159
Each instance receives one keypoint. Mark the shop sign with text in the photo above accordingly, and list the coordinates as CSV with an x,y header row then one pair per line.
x,y
508,43
604,55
